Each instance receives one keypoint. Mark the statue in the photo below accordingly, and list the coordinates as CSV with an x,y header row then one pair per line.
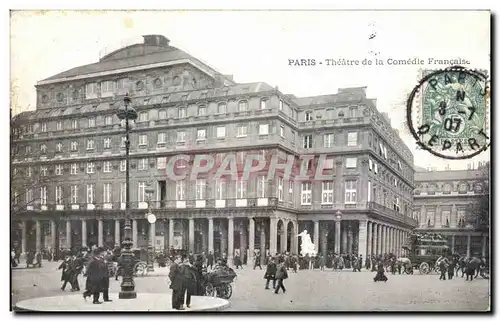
x,y
307,246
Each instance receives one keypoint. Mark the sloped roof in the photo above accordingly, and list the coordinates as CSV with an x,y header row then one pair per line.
x,y
448,175
343,95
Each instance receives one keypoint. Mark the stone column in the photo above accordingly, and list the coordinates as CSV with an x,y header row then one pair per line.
x,y
349,236
210,235
362,238
344,238
273,235
391,243
379,239
152,234
337,237
251,239
38,231
262,245
100,239
53,232
68,234
316,235
117,232
23,236
324,236
484,247
171,226
230,239
295,239
84,232
243,241
134,233
191,235
284,237
369,236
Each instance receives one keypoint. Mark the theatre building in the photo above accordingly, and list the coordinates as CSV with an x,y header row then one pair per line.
x,y
68,185
443,204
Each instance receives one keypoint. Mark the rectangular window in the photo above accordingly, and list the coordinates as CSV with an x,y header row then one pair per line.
x,y
108,120
375,168
241,189
59,197
74,194
74,146
107,88
221,189
107,193
202,110
106,167
280,189
201,134
328,163
91,122
59,125
44,127
351,162
143,116
242,131
141,190
201,185
327,193
369,191
350,192
162,138
28,171
370,164
221,132
90,144
281,104
107,142
328,140
396,204
162,114
91,91
306,193
123,165
243,105
385,152
353,112
282,131
308,116
181,136
74,124
263,104
308,141
352,139
123,192
90,193
330,114
263,129
74,169
161,163
221,108
121,84
143,164
29,196
43,148
59,169
43,170
90,168
28,150
290,191
261,186
182,112
143,140
180,190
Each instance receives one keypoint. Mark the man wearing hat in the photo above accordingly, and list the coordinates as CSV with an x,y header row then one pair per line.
x,y
176,284
97,277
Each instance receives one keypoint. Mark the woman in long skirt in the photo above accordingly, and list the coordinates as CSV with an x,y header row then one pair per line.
x,y
380,276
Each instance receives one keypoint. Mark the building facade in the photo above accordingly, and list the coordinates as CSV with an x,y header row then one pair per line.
x,y
443,202
68,181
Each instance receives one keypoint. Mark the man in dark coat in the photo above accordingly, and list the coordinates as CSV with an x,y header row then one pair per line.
x,y
97,277
270,274
176,284
76,269
281,274
189,280
256,260
66,271
210,260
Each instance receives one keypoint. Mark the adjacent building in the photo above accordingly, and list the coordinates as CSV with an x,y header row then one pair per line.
x,y
68,184
444,201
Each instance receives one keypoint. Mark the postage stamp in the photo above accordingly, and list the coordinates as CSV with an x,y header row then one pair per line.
x,y
448,112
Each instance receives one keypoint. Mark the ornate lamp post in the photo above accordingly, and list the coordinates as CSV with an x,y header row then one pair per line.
x,y
152,230
127,286
338,218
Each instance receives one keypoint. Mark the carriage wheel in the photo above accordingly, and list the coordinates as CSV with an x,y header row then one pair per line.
x,y
210,290
424,268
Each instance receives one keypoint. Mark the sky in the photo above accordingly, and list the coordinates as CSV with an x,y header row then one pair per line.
x,y
257,45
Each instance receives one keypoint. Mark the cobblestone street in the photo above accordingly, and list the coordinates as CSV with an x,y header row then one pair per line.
x,y
306,291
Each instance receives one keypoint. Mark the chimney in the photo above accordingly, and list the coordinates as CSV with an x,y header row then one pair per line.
x,y
156,40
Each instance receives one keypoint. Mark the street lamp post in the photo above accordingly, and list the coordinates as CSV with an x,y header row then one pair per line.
x,y
338,218
152,231
127,286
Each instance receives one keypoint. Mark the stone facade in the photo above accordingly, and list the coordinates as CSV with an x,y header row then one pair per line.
x,y
69,162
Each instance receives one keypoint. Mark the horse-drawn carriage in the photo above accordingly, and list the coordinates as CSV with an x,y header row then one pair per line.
x,y
218,282
424,252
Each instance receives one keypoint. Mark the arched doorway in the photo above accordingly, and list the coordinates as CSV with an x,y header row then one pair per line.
x,y
290,237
